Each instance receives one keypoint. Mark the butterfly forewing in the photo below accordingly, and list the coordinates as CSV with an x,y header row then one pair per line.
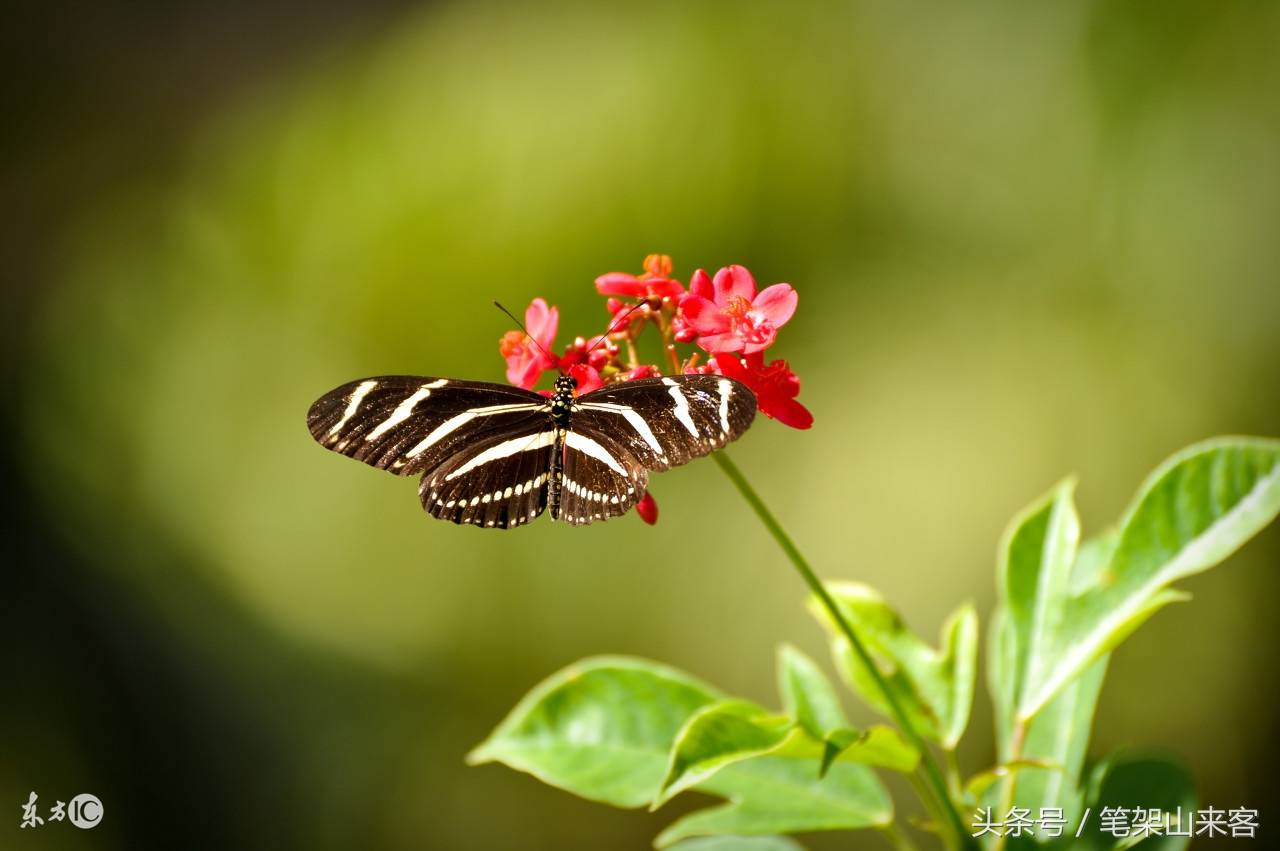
x,y
666,422
498,483
487,452
408,424
602,478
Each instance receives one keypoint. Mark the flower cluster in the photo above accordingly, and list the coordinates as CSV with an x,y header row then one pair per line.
x,y
725,316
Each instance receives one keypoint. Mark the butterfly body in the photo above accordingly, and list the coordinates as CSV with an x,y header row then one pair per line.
x,y
496,456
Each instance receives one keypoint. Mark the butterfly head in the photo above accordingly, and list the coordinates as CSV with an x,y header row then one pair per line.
x,y
562,401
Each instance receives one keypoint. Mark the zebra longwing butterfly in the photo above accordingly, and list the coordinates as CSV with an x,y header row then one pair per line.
x,y
496,456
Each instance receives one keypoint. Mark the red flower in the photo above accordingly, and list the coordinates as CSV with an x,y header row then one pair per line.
x,y
699,284
595,352
643,371
528,356
588,377
655,283
729,315
647,508
774,384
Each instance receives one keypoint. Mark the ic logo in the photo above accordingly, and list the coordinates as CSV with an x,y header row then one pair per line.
x,y
85,811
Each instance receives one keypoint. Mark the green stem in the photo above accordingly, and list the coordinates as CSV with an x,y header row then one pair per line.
x,y
898,838
928,798
1016,742
933,774
954,780
668,343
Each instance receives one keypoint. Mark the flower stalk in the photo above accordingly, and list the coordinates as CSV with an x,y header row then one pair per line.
x,y
933,774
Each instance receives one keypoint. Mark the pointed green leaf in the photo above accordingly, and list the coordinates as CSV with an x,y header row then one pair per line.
x,y
1036,556
808,697
739,843
772,794
883,747
1039,562
934,687
878,745
807,694
717,736
1148,781
722,734
601,728
1059,737
1196,509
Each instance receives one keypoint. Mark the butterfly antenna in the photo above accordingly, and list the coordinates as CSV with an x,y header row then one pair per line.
x,y
613,326
520,325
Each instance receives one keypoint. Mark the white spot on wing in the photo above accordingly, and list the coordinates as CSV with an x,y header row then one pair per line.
x,y
629,414
456,422
726,388
404,409
353,404
587,446
504,450
682,407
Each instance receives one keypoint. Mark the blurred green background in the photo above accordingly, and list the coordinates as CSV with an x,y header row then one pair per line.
x,y
1029,239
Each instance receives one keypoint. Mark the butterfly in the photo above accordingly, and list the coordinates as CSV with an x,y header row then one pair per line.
x,y
496,456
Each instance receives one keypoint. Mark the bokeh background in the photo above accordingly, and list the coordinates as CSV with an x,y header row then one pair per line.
x,y
1029,239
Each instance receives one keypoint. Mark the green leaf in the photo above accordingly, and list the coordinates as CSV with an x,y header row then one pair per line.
x,y
716,736
773,794
722,734
1039,562
808,697
1130,780
1059,737
601,728
934,687
739,843
1196,509
1036,557
878,745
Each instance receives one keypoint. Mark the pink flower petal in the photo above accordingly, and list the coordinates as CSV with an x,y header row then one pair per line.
x,y
700,284
524,371
734,281
542,322
722,342
761,339
587,377
776,304
703,316
665,288
620,283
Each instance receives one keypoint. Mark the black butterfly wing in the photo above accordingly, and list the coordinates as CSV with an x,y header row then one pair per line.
x,y
602,478
486,451
410,424
498,482
666,422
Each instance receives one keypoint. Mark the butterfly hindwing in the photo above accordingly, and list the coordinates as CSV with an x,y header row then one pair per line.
x,y
408,424
602,478
666,422
496,483
487,452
